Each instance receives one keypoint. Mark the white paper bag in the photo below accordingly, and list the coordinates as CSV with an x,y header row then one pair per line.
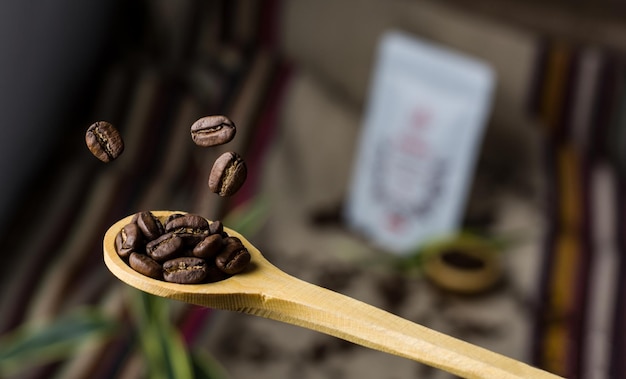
x,y
421,133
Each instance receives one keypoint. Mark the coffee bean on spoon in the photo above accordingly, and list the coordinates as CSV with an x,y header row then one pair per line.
x,y
187,223
212,131
234,257
129,239
191,249
216,227
191,228
228,174
150,226
167,246
208,247
104,141
145,265
185,270
171,217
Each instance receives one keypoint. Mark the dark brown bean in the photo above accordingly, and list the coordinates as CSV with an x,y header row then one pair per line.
x,y
216,227
185,270
167,246
129,239
234,257
187,222
104,141
228,174
150,226
209,247
190,227
145,265
212,131
172,216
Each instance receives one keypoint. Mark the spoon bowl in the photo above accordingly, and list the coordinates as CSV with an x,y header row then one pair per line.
x,y
266,291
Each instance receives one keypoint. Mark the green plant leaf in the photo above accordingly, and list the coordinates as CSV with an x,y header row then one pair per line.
x,y
38,344
162,345
205,366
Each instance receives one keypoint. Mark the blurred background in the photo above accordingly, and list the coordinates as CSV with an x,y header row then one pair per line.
x,y
294,77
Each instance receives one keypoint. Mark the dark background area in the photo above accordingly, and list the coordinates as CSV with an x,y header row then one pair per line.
x,y
53,57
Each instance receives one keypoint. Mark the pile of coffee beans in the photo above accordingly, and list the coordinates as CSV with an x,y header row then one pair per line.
x,y
183,248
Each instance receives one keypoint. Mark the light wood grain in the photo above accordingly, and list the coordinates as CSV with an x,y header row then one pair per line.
x,y
266,291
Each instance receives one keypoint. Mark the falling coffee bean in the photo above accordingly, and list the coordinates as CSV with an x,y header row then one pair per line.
x,y
104,141
228,174
212,131
185,270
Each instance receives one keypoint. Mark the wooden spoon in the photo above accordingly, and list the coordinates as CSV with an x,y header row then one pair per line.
x,y
266,291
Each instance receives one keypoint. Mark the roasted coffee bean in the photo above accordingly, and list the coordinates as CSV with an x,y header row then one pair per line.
x,y
191,228
228,174
213,255
186,223
232,240
172,216
167,246
216,227
212,131
233,258
185,270
208,247
104,141
150,226
129,239
145,265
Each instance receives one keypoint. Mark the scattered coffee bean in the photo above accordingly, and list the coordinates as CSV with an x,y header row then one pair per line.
x,y
185,270
212,131
228,174
143,264
188,249
104,141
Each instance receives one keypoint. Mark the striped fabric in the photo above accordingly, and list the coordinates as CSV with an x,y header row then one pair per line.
x,y
579,325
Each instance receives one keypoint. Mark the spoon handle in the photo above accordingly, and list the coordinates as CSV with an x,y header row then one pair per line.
x,y
296,302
